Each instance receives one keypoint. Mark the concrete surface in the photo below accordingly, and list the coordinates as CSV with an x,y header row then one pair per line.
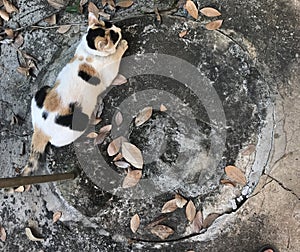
x,y
263,34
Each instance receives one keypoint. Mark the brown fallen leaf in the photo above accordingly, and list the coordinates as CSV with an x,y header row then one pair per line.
x,y
162,108
31,237
114,146
51,20
182,33
106,128
119,118
9,32
56,216
122,164
118,157
101,137
63,29
214,25
210,12
2,234
9,7
208,221
197,222
57,4
190,211
156,222
132,178
4,15
162,231
191,9
249,150
124,3
135,223
19,40
143,116
132,155
169,206
228,182
92,135
235,174
23,70
180,201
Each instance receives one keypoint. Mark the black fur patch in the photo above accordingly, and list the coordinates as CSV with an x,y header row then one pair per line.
x,y
93,80
92,35
114,36
108,24
41,95
45,115
77,120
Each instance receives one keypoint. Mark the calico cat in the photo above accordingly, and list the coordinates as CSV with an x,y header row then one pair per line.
x,y
60,114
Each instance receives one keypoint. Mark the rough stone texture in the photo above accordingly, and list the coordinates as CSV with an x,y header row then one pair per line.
x,y
268,33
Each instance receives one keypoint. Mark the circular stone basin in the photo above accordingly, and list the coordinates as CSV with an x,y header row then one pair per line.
x,y
217,114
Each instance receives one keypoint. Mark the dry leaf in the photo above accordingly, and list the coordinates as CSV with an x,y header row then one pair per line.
x,y
101,137
114,146
56,216
9,32
228,182
197,222
143,116
132,178
190,211
119,118
235,174
162,231
162,108
51,20
156,222
180,201
182,33
9,7
19,40
210,219
210,12
122,164
135,223
124,3
96,121
93,9
23,70
31,237
214,25
191,9
56,4
169,206
249,150
20,189
92,135
2,234
106,128
4,15
118,157
119,80
158,17
63,29
132,155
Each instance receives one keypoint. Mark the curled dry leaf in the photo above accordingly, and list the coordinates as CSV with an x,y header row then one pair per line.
x,y
118,157
228,182
156,222
19,40
122,164
56,4
106,128
143,116
180,201
162,231
135,223
51,20
31,237
63,29
56,216
210,219
2,234
124,3
190,211
182,33
191,8
235,174
9,7
249,150
214,25
9,32
132,155
169,206
210,12
92,135
132,178
4,15
197,222
119,118
114,146
162,108
101,137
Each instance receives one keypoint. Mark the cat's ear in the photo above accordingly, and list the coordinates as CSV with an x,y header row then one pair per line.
x,y
101,44
93,19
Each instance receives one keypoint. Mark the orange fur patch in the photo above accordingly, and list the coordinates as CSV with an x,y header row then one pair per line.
x,y
52,101
88,69
39,140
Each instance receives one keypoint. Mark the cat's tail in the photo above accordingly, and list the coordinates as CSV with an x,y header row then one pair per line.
x,y
38,145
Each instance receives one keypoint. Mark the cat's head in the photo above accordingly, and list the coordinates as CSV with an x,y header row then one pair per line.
x,y
102,37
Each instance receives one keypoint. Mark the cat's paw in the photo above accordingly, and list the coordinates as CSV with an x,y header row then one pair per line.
x,y
123,44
